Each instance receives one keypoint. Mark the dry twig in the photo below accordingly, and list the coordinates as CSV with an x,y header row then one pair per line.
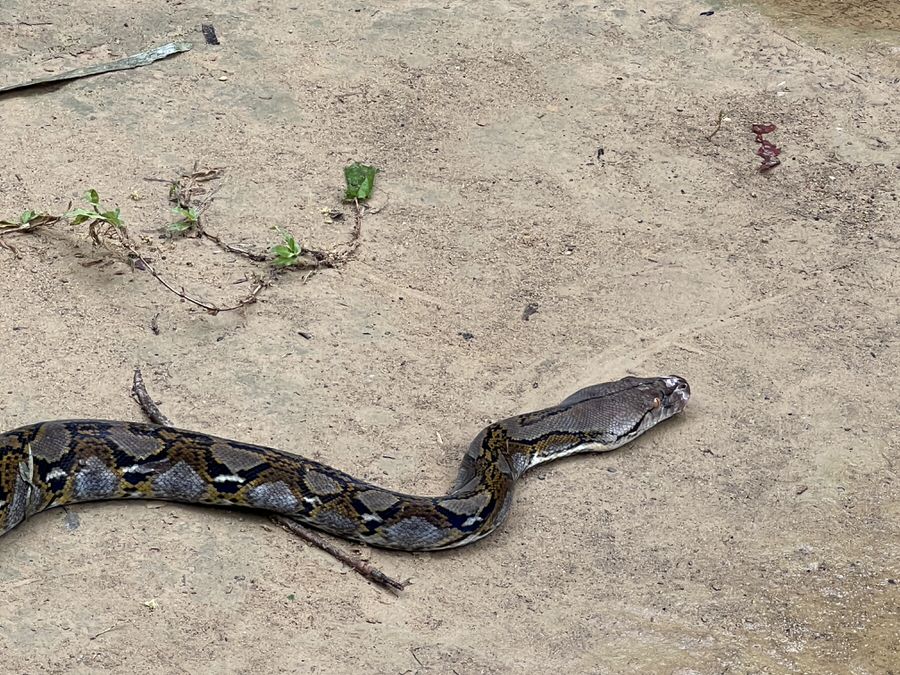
x,y
133,252
718,125
106,630
148,405
189,192
370,572
231,248
337,255
28,225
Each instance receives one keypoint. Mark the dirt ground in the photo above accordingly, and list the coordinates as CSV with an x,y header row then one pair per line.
x,y
554,154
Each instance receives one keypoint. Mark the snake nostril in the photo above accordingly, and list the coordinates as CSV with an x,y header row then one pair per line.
x,y
677,383
679,387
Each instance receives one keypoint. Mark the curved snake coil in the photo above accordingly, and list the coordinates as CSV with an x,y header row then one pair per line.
x,y
65,462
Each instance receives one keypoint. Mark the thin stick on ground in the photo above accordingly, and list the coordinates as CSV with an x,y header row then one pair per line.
x,y
148,405
367,571
248,299
101,226
188,192
336,256
106,630
183,191
231,248
29,222
343,252
709,137
370,572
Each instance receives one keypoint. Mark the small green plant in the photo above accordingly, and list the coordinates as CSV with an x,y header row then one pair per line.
x,y
27,221
79,216
27,217
188,219
360,179
100,222
287,253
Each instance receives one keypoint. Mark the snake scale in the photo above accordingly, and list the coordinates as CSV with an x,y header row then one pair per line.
x,y
55,463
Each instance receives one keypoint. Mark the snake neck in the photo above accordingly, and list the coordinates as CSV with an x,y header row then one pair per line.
x,y
507,449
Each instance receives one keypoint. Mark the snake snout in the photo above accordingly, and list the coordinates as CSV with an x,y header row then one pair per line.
x,y
678,392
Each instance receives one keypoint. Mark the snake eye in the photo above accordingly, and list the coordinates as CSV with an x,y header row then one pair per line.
x,y
656,403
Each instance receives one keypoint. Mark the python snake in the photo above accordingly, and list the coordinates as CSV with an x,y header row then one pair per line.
x,y
65,462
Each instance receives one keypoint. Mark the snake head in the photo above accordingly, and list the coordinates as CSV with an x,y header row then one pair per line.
x,y
615,413
676,393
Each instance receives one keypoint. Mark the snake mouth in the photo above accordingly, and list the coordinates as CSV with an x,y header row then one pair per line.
x,y
678,393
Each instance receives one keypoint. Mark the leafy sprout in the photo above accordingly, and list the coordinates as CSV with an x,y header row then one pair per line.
x,y
287,253
360,179
79,216
188,218
96,217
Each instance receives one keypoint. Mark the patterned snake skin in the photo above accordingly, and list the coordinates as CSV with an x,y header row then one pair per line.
x,y
65,462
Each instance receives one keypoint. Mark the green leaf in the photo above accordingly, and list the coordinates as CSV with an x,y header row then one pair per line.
x,y
92,196
112,217
287,253
190,214
188,218
79,216
360,179
179,227
27,217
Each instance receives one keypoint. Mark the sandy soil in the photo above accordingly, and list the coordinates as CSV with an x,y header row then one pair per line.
x,y
756,533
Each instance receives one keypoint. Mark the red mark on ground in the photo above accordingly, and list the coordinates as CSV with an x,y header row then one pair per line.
x,y
767,150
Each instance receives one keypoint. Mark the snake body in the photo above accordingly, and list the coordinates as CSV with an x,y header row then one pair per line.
x,y
55,463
